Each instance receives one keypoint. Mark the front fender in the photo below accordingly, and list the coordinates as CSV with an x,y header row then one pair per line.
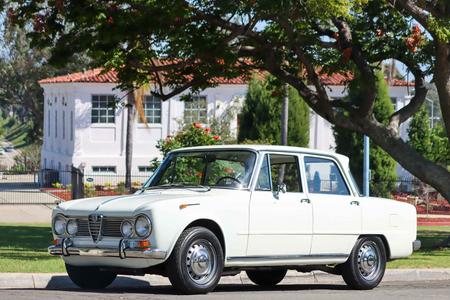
x,y
230,214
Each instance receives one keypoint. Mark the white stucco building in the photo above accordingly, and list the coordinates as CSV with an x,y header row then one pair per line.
x,y
83,125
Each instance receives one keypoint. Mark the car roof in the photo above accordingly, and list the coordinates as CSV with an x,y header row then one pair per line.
x,y
275,148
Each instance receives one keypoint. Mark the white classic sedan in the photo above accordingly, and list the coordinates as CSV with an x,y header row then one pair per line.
x,y
213,211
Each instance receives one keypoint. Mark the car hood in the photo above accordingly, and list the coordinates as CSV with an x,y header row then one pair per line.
x,y
125,205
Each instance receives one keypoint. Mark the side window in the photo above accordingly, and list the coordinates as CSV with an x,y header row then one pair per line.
x,y
263,183
285,169
324,177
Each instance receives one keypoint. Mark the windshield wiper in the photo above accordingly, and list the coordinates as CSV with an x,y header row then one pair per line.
x,y
206,188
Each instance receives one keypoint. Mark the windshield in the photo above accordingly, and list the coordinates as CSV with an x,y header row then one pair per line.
x,y
222,169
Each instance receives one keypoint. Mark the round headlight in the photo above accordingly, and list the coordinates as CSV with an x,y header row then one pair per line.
x,y
127,229
143,226
72,227
59,225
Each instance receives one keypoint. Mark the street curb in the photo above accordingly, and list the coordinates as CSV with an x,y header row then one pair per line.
x,y
62,281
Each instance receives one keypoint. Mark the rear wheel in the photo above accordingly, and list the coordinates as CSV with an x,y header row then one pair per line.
x,y
266,277
90,277
365,267
196,263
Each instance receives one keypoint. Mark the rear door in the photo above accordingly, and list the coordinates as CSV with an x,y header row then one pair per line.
x,y
337,213
280,221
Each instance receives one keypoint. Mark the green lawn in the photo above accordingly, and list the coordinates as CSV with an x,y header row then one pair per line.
x,y
15,132
427,257
23,248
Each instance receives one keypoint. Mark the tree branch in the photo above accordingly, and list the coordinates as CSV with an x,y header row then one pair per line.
x,y
420,92
418,13
345,38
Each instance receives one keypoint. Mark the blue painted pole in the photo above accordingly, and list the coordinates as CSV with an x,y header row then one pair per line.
x,y
366,166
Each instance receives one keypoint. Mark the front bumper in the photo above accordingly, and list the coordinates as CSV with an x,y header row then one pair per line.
x,y
416,245
124,250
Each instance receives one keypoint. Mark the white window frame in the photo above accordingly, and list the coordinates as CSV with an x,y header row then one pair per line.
x,y
152,113
110,112
104,169
192,110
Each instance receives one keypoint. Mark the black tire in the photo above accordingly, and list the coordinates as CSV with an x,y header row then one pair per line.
x,y
90,277
196,263
365,267
266,277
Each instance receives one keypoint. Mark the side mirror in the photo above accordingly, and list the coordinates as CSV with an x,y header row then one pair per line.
x,y
280,188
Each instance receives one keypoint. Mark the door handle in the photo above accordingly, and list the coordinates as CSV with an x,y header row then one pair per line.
x,y
354,203
305,201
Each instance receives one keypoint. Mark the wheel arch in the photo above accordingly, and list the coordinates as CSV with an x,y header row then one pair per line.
x,y
211,225
383,239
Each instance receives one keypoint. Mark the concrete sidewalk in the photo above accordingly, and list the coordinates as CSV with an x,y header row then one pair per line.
x,y
62,281
26,213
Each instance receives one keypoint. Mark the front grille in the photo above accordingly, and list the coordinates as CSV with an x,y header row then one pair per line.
x,y
110,227
95,226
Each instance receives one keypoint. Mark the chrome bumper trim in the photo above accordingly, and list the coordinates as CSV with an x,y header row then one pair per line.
x,y
66,249
416,245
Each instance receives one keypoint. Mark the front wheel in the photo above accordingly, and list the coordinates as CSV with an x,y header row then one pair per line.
x,y
266,277
365,267
90,277
196,263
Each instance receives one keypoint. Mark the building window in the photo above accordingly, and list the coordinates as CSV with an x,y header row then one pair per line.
x,y
56,123
103,108
195,110
63,125
71,125
104,169
49,119
145,169
152,110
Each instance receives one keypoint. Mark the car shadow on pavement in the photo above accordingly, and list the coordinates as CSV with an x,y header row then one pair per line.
x,y
138,286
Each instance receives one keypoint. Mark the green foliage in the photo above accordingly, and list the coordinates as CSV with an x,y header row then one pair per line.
x,y
260,119
420,133
441,146
382,166
21,66
28,158
192,135
432,143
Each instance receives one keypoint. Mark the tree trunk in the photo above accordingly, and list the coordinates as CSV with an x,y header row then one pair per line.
x,y
131,116
424,169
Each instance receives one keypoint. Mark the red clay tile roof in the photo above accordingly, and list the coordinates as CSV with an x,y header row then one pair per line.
x,y
95,76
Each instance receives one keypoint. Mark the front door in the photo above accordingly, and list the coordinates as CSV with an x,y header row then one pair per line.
x,y
337,213
280,213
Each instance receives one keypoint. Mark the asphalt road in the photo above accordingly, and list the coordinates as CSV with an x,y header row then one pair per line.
x,y
391,290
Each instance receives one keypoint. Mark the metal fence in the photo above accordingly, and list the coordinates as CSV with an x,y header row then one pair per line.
x,y
52,186
413,191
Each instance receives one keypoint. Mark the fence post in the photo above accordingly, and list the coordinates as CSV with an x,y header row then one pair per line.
x,y
77,183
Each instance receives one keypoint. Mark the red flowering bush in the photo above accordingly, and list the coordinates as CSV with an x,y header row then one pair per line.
x,y
194,135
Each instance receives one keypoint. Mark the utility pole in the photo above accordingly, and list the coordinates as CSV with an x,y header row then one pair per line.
x,y
285,116
366,166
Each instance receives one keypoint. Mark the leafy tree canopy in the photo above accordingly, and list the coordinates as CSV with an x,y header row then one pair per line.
x,y
382,166
186,43
261,113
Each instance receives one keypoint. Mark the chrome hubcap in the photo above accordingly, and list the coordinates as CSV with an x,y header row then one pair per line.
x,y
201,261
369,260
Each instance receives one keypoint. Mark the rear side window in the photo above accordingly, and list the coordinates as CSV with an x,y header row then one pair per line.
x,y
279,169
324,177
